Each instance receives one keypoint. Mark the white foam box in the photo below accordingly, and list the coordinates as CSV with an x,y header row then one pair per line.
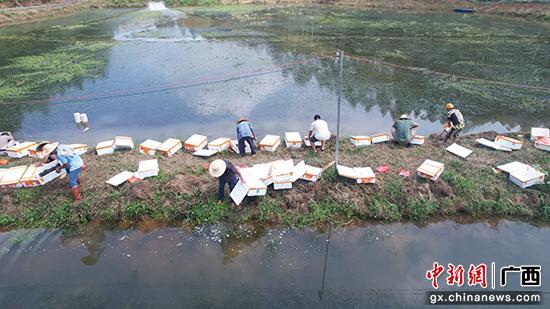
x,y
20,150
543,143
235,147
2,172
488,143
380,138
124,142
220,144
169,147
282,172
526,177
106,147
34,153
270,143
307,142
508,142
430,169
364,175
205,153
293,140
312,173
120,178
418,140
30,177
149,147
347,172
195,142
12,176
79,149
360,140
539,132
263,172
458,150
148,168
51,175
299,171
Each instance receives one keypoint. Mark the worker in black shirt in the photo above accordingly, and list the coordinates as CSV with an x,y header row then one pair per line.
x,y
226,172
455,122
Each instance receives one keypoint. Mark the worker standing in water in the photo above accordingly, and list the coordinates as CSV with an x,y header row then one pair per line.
x,y
455,123
226,172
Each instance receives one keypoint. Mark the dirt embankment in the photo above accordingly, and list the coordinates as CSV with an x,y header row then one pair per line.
x,y
12,11
184,192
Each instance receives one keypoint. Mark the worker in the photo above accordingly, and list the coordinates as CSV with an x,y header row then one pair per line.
x,y
403,130
455,123
68,160
245,134
226,172
318,131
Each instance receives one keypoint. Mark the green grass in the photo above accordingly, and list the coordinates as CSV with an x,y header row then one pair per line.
x,y
208,212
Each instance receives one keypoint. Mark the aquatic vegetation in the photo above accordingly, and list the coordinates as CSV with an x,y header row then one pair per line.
x,y
39,75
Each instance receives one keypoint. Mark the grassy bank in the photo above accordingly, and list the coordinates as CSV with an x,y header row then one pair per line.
x,y
184,192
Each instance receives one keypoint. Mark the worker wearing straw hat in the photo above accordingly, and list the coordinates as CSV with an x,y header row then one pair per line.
x,y
226,172
70,161
455,123
245,134
404,130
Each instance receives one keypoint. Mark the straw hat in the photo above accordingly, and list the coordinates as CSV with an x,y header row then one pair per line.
x,y
49,148
449,106
217,168
404,116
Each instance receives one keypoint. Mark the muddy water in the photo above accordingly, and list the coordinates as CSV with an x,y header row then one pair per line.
x,y
374,266
167,73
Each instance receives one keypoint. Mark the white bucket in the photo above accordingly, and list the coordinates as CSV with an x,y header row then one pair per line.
x,y
77,117
83,117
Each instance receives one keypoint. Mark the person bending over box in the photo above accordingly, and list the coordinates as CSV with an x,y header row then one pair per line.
x,y
404,130
226,172
245,134
318,132
68,160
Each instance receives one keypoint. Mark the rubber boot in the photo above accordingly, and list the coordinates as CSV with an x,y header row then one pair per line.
x,y
76,194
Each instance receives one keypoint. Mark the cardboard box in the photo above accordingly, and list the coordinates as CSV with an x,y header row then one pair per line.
x,y
220,144
293,140
360,140
106,147
418,140
205,153
79,149
270,143
123,142
148,168
120,178
539,132
493,145
44,179
543,143
380,138
235,147
508,142
169,147
195,142
307,142
12,176
458,150
30,177
149,147
430,170
20,150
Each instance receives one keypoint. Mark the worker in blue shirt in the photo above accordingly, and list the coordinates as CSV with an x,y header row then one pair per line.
x,y
68,160
245,134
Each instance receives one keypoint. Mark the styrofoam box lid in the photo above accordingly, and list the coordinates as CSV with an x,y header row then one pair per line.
x,y
253,183
270,140
360,137
282,167
3,171
220,141
151,144
430,167
364,172
506,138
419,137
30,172
513,166
168,144
263,170
195,139
346,171
205,153
540,132
105,144
293,136
312,170
14,174
459,150
123,141
21,146
526,174
148,165
77,146
120,178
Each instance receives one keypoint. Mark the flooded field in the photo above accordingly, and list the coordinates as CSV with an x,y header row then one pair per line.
x,y
155,74
376,266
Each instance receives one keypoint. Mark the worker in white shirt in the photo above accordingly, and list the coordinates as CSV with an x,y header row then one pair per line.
x,y
318,132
